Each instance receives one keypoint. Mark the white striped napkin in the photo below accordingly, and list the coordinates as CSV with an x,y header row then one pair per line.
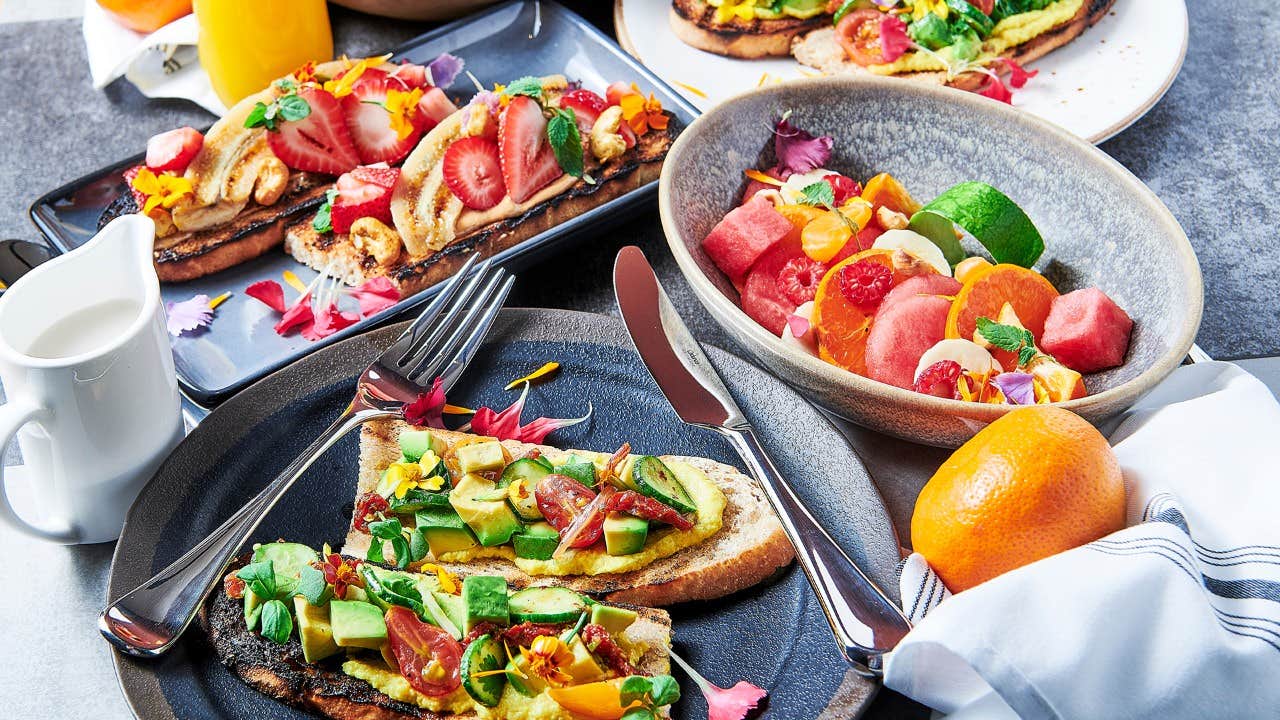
x,y
1177,616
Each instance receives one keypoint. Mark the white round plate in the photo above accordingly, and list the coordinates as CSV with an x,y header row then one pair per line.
x,y
1095,86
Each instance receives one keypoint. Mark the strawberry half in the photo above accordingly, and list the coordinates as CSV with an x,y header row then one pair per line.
x,y
528,162
412,75
434,107
370,123
473,172
319,142
363,192
174,150
586,105
616,90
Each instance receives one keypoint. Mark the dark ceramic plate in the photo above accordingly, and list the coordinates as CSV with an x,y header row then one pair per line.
x,y
773,634
498,45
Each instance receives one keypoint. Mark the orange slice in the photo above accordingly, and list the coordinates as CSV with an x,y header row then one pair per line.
x,y
990,288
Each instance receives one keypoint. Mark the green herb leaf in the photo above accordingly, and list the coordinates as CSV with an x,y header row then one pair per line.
x,y
287,84
277,624
639,713
323,222
401,586
293,108
819,193
400,547
375,552
386,529
566,142
665,690
635,688
1005,337
527,85
260,577
258,117
1027,354
286,587
418,547
312,586
252,618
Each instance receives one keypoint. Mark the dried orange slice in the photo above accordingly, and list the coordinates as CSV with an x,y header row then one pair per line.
x,y
989,289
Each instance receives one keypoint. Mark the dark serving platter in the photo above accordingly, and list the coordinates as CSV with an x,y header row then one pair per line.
x,y
518,38
773,635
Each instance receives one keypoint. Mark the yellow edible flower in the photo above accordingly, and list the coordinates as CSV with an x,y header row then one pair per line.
x,y
924,7
403,477
343,85
642,114
403,106
549,367
730,9
548,658
448,581
163,190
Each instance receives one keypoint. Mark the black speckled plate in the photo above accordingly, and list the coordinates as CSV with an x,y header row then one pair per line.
x,y
773,635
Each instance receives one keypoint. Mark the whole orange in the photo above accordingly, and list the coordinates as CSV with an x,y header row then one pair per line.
x,y
146,16
1036,482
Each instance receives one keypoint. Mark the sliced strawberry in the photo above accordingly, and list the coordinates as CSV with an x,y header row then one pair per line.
x,y
380,175
138,198
628,135
434,107
473,172
370,123
319,142
528,162
174,150
586,105
412,75
356,200
616,90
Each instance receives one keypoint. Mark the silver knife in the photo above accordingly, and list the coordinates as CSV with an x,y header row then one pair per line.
x,y
866,623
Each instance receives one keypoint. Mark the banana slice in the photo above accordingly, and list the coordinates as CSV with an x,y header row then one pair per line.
x,y
424,210
969,355
913,242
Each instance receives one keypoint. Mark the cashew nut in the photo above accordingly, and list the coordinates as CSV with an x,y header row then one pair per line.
x,y
372,237
273,178
891,219
606,142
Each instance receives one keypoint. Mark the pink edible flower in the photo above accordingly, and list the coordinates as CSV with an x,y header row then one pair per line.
x,y
428,409
329,321
797,150
996,90
299,315
269,293
893,38
733,703
444,69
1018,76
505,425
375,295
188,315
1018,387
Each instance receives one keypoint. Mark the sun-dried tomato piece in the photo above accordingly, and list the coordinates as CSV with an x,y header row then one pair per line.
x,y
233,586
524,633
598,641
643,506
366,508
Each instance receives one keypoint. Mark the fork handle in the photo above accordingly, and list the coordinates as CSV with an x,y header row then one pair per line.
x,y
866,623
150,618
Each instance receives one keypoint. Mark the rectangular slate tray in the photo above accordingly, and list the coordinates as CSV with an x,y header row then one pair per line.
x,y
498,45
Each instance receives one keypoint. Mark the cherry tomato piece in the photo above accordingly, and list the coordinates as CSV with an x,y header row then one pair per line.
x,y
429,658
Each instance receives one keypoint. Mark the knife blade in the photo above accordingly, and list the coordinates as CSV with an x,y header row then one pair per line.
x,y
865,622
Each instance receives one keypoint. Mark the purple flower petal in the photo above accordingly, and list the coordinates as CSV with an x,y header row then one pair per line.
x,y
444,69
1018,387
188,315
797,150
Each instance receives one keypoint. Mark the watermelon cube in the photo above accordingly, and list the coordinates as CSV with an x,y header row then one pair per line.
x,y
1086,331
745,234
901,333
921,285
763,297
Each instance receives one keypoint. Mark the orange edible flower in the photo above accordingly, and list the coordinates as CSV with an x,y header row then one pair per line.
x,y
548,658
546,369
448,581
163,190
403,106
306,73
343,85
642,114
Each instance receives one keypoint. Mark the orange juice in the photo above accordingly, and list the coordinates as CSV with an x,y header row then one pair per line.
x,y
245,44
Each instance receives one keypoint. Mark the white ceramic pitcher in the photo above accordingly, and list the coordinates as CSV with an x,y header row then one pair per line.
x,y
91,391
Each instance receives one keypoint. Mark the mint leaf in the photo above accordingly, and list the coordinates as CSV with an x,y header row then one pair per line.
x,y
258,117
1027,354
312,586
819,193
293,108
566,142
639,713
665,690
260,577
635,688
323,222
1005,337
287,84
527,85
277,625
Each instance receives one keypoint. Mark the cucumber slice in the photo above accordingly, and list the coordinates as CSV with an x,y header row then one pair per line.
x,y
544,462
989,216
546,605
977,20
484,655
526,469
653,478
521,498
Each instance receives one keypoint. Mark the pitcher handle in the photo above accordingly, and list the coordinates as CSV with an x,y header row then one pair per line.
x,y
13,415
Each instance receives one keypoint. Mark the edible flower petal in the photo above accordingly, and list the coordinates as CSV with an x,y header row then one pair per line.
x,y
339,572
798,325
269,293
294,281
445,69
427,409
996,90
546,369
299,315
505,425
188,315
797,150
1018,387
724,704
1018,76
306,73
403,106
163,190
375,295
539,429
328,321
893,38
642,114
448,581
343,85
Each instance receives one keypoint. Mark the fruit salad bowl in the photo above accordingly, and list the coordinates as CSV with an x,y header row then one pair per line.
x,y
1101,227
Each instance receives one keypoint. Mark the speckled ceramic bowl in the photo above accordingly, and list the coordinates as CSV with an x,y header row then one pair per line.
x,y
1101,226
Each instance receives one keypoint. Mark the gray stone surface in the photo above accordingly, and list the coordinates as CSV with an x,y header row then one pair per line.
x,y
1209,149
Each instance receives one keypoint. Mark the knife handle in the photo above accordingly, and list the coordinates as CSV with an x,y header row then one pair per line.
x,y
865,621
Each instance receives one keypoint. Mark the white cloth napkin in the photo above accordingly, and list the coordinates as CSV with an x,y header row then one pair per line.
x,y
1177,616
163,64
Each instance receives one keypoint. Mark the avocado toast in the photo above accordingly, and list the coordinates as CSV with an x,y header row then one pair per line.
x,y
666,529
350,639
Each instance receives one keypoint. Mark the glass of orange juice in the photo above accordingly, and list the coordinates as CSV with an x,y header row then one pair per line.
x,y
245,44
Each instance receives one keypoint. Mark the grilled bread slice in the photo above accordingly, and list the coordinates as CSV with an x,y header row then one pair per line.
x,y
749,547
693,21
819,49
281,672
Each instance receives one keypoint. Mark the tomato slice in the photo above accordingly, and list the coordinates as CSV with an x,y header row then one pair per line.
x,y
429,658
561,499
859,34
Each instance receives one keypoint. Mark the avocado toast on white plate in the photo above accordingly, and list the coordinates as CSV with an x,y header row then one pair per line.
x,y
650,530
380,644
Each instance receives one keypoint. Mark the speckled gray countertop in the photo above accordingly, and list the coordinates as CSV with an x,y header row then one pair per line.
x,y
1209,149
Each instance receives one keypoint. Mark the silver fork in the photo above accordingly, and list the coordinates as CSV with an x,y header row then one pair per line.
x,y
439,343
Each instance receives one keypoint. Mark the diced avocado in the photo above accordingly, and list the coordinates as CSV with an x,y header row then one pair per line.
x,y
626,472
415,443
492,521
624,534
444,529
287,558
252,608
453,606
355,592
612,618
584,668
536,542
481,457
357,624
314,630
525,682
485,597
584,471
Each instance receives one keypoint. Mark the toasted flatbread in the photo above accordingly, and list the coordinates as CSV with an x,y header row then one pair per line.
x,y
281,672
749,547
693,22
819,49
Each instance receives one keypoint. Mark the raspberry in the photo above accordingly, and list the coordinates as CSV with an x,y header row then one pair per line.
x,y
842,187
798,280
865,283
940,380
